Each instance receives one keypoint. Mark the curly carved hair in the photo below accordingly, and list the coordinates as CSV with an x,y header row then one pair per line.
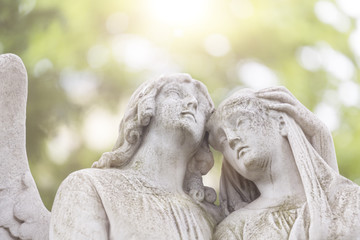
x,y
141,108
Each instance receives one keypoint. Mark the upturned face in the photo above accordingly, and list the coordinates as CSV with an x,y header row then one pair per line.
x,y
247,141
181,106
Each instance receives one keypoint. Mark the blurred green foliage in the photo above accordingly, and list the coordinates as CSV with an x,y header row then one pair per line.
x,y
82,56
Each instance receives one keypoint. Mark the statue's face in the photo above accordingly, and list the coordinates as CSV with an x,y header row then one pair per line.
x,y
180,105
247,142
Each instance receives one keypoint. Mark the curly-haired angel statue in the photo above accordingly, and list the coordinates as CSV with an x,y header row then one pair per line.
x,y
150,185
280,178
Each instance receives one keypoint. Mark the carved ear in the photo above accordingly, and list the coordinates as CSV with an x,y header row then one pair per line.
x,y
282,126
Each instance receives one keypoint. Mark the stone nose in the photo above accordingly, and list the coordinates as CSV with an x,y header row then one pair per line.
x,y
191,103
232,138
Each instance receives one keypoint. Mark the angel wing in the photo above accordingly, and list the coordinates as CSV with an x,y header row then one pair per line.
x,y
22,212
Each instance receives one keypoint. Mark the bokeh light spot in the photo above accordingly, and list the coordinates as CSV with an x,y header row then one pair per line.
x,y
42,67
26,6
354,41
97,56
309,58
328,13
349,93
217,45
350,7
100,129
81,87
328,114
336,63
62,145
256,75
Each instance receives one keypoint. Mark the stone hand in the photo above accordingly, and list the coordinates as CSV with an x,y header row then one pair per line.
x,y
283,100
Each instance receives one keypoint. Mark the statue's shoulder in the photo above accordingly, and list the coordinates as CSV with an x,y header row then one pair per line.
x,y
101,181
236,218
89,176
232,226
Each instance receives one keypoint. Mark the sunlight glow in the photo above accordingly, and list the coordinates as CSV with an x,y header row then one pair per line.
x,y
242,8
178,13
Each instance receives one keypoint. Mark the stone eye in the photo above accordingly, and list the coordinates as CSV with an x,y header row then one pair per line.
x,y
239,122
174,92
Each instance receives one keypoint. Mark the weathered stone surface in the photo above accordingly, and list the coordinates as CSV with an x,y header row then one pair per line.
x,y
23,215
280,178
149,186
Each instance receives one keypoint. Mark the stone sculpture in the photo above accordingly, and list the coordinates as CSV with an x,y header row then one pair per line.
x,y
22,213
279,178
140,189
149,187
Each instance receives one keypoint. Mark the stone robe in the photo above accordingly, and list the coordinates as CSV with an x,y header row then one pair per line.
x,y
122,204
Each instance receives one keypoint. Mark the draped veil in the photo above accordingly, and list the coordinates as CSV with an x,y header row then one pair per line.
x,y
332,201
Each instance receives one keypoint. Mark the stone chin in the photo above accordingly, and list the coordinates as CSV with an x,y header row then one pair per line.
x,y
253,165
191,131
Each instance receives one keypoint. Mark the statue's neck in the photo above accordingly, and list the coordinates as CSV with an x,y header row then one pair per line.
x,y
162,158
280,181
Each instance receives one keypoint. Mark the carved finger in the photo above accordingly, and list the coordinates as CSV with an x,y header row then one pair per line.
x,y
277,89
274,89
305,119
284,107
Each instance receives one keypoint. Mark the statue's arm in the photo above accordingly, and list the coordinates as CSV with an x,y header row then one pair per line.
x,y
281,99
78,212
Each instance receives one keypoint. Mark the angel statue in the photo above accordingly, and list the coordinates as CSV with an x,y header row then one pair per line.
x,y
148,187
279,177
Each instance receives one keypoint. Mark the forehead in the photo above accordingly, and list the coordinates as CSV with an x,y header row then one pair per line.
x,y
230,117
235,112
181,85
186,87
